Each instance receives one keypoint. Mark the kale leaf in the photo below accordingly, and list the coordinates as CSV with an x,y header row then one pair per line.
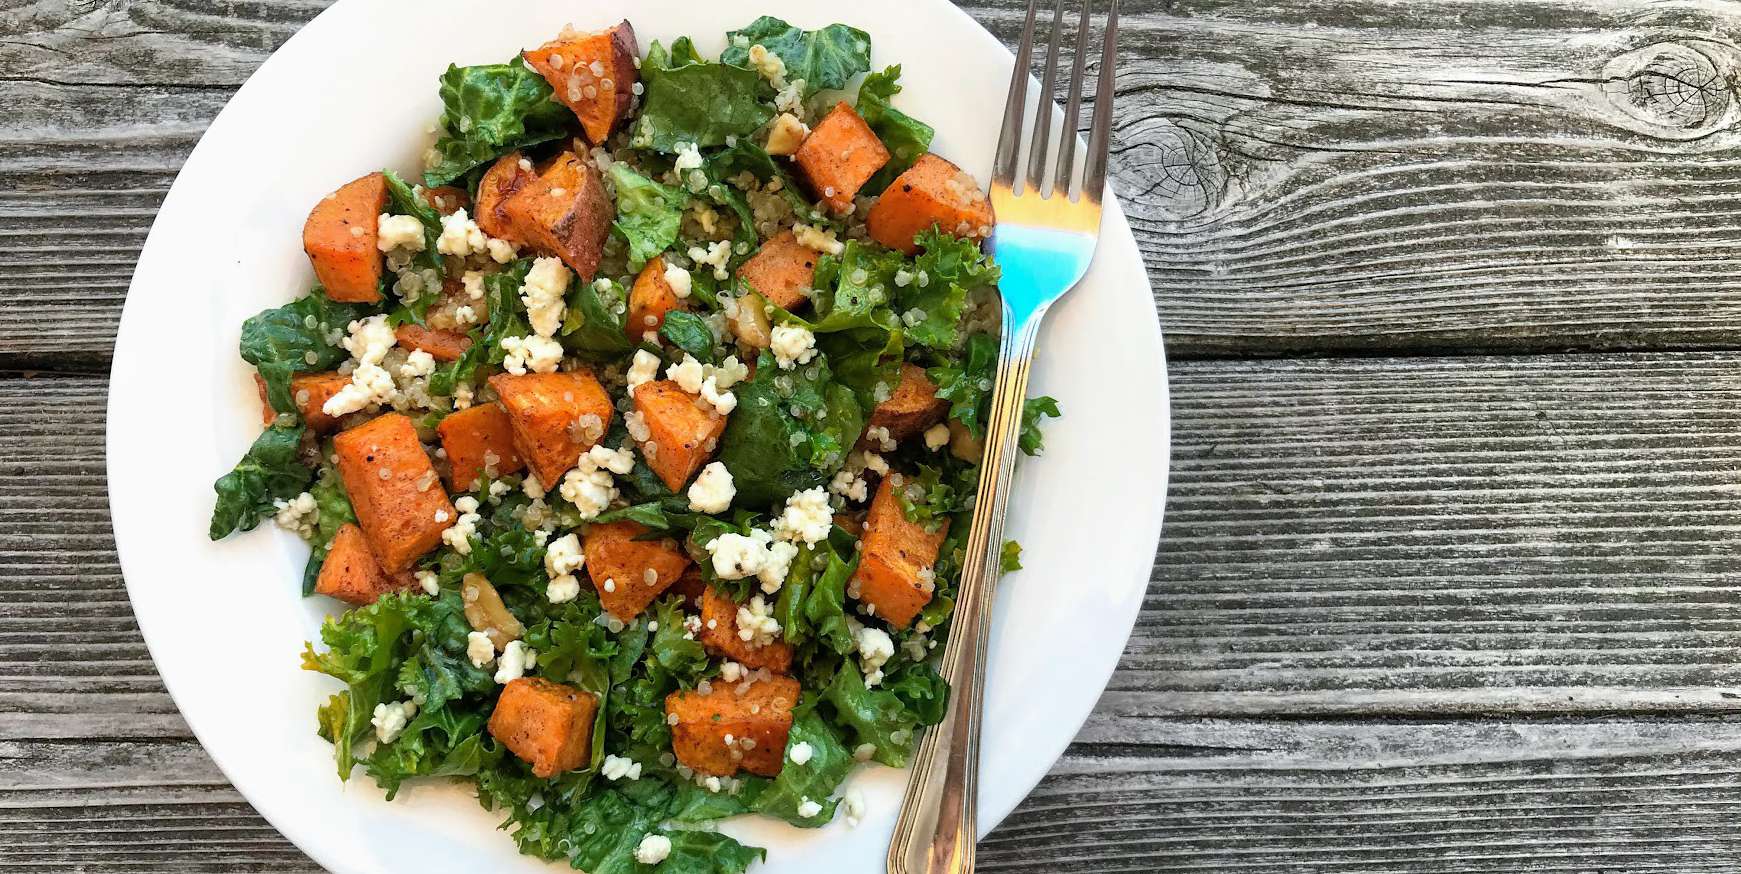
x,y
791,431
688,100
594,325
1031,440
271,470
648,213
488,111
935,292
688,332
293,339
825,59
904,136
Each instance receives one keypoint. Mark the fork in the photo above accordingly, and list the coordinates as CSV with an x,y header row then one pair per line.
x,y
1047,226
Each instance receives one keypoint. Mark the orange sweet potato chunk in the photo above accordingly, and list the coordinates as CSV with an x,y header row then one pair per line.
x,y
781,271
931,192
912,407
758,721
501,182
441,345
351,574
479,441
892,554
552,415
310,391
719,635
564,211
340,238
630,573
841,154
394,490
682,436
649,300
546,724
593,74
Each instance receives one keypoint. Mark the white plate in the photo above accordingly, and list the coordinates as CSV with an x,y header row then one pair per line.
x,y
354,91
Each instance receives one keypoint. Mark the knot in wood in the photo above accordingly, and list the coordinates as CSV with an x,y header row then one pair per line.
x,y
1177,165
1674,89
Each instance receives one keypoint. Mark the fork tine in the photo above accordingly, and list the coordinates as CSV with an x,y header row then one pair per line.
x,y
1043,123
1100,138
1073,108
1009,141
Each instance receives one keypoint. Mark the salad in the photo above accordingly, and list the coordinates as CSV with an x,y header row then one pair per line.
x,y
639,436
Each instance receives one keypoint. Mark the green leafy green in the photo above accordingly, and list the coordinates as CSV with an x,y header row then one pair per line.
x,y
648,213
447,378
937,491
594,326
335,510
488,111
921,690
932,299
293,339
688,100
402,200
1031,440
507,312
904,136
873,716
791,430
815,780
825,59
364,650
965,382
271,470
704,852
688,332
1009,559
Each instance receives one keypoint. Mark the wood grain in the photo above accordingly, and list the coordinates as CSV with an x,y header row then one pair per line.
x,y
1303,176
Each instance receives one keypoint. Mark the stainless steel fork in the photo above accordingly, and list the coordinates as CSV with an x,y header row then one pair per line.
x,y
1048,223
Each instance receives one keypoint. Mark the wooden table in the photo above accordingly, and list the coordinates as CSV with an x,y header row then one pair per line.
x,y
1449,576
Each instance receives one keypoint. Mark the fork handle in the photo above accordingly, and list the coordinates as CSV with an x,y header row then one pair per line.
x,y
938,829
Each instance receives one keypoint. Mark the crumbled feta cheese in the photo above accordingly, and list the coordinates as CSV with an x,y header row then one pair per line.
x,y
809,809
390,719
417,364
460,236
730,373
723,402
936,436
791,98
459,534
688,158
731,672
786,135
479,649
562,558
679,280
820,239
535,354
501,251
793,345
465,315
875,648
429,583
716,255
644,369
756,623
800,753
849,484
301,515
879,437
399,232
589,486
807,517
874,463
704,379
473,284
653,849
368,340
712,784
853,807
517,658
736,556
771,66
713,489
620,768
543,292
688,374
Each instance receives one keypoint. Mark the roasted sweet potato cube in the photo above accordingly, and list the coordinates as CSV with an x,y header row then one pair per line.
x,y
501,182
479,441
546,724
565,212
931,192
895,558
649,300
756,720
691,586
841,154
912,407
630,573
351,574
682,435
781,271
593,74
340,238
556,417
394,490
441,345
719,634
447,199
310,391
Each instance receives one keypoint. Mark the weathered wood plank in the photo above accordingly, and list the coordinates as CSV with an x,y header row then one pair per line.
x,y
1182,795
1303,176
